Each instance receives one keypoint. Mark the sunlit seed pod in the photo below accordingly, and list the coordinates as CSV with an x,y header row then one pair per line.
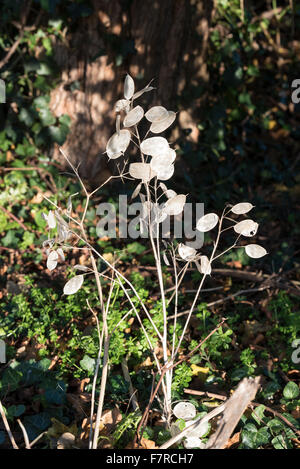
x,y
163,187
184,410
165,258
134,116
52,260
191,442
155,146
163,171
128,87
246,228
61,254
200,430
175,429
122,105
117,144
50,219
241,208
186,253
159,215
207,222
170,194
63,233
164,124
255,251
144,90
141,171
156,113
136,191
73,285
205,265
175,206
83,268
165,159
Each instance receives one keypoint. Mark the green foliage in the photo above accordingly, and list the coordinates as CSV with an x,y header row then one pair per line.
x,y
241,154
34,380
263,431
182,378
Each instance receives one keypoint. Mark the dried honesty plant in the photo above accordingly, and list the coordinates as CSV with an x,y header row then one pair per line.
x,y
154,167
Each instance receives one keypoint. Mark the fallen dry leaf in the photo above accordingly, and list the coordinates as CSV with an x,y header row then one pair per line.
x,y
109,420
235,439
144,444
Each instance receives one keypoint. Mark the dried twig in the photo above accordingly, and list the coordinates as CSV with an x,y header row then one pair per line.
x,y
7,427
234,409
132,391
26,439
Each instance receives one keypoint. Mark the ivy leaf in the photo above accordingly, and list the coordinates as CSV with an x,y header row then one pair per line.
x,y
88,364
291,390
280,442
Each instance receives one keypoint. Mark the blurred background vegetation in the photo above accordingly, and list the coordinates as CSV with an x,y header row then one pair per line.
x,y
226,67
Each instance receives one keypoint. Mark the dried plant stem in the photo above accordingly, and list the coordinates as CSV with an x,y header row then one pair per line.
x,y
157,257
200,286
106,339
141,324
154,392
26,439
100,336
7,427
102,389
124,279
104,312
132,392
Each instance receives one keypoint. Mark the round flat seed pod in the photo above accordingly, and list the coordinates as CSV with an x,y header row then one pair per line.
x,y
191,442
205,265
134,116
155,146
184,410
156,113
162,125
73,285
52,260
175,206
61,254
255,251
141,171
200,429
241,208
164,171
186,253
246,228
207,222
117,144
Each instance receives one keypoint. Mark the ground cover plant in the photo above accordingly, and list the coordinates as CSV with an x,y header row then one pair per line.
x,y
245,321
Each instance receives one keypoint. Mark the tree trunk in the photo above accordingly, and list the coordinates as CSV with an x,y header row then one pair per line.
x,y
164,40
